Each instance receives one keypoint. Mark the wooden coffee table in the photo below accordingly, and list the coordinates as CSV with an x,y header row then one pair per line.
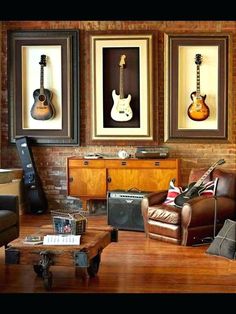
x,y
84,257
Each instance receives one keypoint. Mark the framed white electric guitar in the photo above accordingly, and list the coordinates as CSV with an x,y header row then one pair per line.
x,y
121,110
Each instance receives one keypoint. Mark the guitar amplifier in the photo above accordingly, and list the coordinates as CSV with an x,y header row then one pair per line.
x,y
124,210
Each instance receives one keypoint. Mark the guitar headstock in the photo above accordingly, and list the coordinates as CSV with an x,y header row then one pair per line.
x,y
220,162
43,60
198,59
122,60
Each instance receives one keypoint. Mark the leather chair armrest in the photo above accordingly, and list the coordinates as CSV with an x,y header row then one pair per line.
x,y
149,200
9,202
156,197
200,211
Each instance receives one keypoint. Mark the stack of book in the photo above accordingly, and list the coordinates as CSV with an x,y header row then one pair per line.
x,y
33,239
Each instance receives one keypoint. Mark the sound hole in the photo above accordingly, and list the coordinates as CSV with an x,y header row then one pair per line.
x,y
42,98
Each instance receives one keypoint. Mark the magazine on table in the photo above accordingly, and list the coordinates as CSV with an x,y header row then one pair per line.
x,y
64,225
61,239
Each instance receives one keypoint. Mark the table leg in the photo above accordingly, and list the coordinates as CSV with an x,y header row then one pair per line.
x,y
94,265
42,269
86,267
12,256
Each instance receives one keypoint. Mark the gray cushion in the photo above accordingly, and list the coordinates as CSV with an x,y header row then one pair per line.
x,y
224,243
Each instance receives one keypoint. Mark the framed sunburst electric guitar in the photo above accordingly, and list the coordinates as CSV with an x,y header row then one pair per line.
x,y
42,108
121,110
198,110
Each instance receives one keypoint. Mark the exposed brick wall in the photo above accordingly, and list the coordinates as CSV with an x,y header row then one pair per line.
x,y
51,161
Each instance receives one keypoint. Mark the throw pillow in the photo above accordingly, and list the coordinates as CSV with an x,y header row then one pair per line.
x,y
173,192
207,189
224,243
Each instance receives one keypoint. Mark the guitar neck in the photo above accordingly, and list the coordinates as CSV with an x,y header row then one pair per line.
x,y
121,82
41,80
198,82
200,181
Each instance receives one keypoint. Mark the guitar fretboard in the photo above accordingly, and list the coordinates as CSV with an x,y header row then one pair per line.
x,y
198,83
121,82
41,79
201,180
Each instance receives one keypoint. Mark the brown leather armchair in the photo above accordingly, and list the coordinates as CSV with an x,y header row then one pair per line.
x,y
9,218
194,222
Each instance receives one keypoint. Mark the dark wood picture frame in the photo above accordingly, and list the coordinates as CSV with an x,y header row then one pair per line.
x,y
180,81
106,52
61,48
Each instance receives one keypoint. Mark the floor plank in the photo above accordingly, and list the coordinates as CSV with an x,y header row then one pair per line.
x,y
134,264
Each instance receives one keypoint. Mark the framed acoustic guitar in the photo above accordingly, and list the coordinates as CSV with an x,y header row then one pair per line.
x,y
121,110
42,108
198,110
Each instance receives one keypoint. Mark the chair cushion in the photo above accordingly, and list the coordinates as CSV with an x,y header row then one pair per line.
x,y
7,219
9,235
165,213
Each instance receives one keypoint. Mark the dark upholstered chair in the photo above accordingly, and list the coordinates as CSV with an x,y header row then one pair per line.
x,y
194,222
9,218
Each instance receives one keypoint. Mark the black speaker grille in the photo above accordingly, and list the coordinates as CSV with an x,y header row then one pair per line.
x,y
124,210
117,215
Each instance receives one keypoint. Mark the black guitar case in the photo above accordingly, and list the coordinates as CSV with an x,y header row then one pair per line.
x,y
34,193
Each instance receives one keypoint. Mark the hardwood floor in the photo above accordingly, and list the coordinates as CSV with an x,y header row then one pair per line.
x,y
134,264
